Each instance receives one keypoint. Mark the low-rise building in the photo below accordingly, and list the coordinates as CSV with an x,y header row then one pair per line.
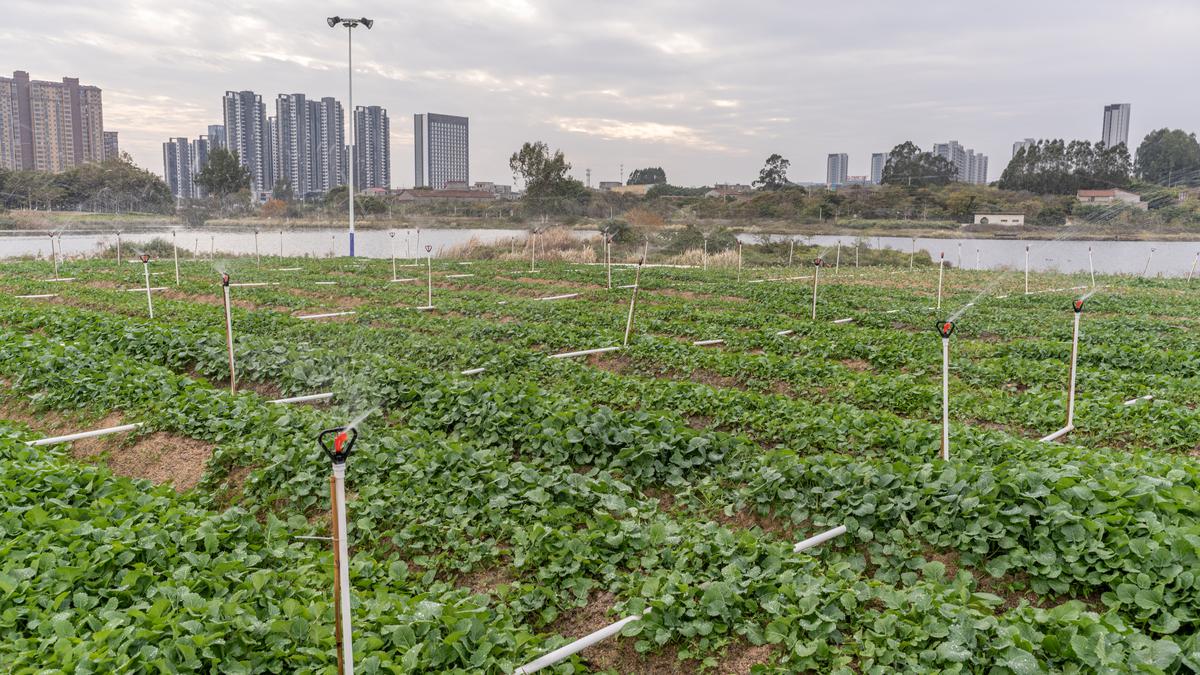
x,y
1006,219
632,189
606,185
1111,196
427,195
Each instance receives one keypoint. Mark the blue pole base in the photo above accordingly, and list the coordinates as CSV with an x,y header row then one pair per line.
x,y
351,244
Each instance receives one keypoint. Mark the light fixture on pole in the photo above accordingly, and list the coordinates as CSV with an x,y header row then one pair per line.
x,y
350,24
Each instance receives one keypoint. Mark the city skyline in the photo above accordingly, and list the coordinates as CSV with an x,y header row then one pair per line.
x,y
705,95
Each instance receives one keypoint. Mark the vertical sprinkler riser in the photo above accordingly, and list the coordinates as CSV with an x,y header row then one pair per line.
x,y
816,277
175,255
145,258
1078,307
343,444
229,333
1091,267
1027,269
637,284
429,273
392,237
941,275
946,329
739,273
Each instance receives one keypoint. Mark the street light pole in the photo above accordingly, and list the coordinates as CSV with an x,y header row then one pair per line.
x,y
350,24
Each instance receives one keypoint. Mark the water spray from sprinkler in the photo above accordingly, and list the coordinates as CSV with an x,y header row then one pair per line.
x,y
343,439
945,329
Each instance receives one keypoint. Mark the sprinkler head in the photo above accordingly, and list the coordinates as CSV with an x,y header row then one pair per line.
x,y
392,235
1077,306
945,328
428,248
343,442
145,258
224,278
818,262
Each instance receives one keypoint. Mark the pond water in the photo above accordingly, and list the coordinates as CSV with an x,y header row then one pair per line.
x,y
1166,258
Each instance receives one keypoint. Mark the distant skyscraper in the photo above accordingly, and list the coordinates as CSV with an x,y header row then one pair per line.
x,y
216,136
969,166
112,149
177,167
878,162
200,149
272,163
441,150
1028,142
293,143
246,133
836,167
329,141
49,126
1116,125
373,148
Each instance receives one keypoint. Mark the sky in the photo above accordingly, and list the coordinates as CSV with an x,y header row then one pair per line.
x,y
707,90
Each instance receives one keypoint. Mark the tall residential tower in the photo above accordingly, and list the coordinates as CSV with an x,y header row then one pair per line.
x,y
1116,125
836,169
49,126
441,148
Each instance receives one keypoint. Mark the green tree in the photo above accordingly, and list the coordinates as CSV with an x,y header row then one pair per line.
x,y
653,175
1057,167
773,175
283,190
548,188
224,174
1169,157
909,166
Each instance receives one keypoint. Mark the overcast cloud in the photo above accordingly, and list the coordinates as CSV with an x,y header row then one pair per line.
x,y
706,90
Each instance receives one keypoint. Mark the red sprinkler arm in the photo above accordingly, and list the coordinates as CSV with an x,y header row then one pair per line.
x,y
818,262
224,278
145,257
343,442
946,328
1077,306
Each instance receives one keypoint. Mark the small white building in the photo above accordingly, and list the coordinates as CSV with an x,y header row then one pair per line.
x,y
1006,219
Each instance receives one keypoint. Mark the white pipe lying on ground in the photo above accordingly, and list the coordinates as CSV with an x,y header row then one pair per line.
x,y
286,269
843,320
66,279
818,539
628,286
473,371
304,399
253,284
583,352
705,343
426,308
325,283
577,646
1057,435
1147,397
86,434
786,331
37,297
143,290
324,316
407,279
458,276
560,297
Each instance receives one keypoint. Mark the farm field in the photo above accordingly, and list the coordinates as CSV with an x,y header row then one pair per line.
x,y
503,503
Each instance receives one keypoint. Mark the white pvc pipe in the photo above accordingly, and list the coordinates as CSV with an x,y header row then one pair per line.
x,y
816,277
705,343
1147,397
1193,270
407,279
1074,359
628,286
143,290
229,341
1091,267
252,284
458,276
325,283
819,539
1026,269
577,646
843,320
339,488
560,297
941,274
304,399
632,303
1056,435
85,434
473,371
786,331
837,263
73,279
583,352
286,269
149,298
37,297
946,399
429,276
304,317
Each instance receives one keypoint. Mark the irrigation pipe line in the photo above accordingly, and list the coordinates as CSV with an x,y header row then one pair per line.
x,y
579,645
583,352
1147,397
706,343
1077,306
817,540
305,317
53,440
564,296
304,399
40,296
343,443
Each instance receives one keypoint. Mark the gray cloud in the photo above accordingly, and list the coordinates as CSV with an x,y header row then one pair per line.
x,y
707,90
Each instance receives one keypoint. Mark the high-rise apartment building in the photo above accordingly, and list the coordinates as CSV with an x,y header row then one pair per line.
x,y
441,148
878,162
246,133
969,166
373,148
1020,145
177,167
308,143
200,149
112,149
49,126
1116,125
329,144
836,169
216,136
